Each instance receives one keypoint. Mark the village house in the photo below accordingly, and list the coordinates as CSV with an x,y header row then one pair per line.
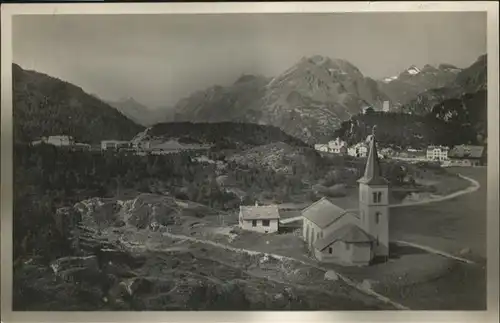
x,y
350,237
386,107
466,155
81,147
114,144
387,152
358,150
337,146
321,147
437,153
60,140
259,218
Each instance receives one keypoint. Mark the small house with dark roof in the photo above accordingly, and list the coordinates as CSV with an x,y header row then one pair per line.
x,y
351,237
259,218
467,155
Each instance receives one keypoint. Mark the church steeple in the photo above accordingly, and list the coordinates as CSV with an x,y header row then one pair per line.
x,y
374,202
373,172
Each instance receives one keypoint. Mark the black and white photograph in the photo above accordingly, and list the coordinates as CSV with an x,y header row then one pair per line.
x,y
250,161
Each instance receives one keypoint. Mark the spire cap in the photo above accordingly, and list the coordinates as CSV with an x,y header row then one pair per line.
x,y
373,171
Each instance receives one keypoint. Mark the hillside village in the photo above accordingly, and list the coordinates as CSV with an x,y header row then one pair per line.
x,y
460,155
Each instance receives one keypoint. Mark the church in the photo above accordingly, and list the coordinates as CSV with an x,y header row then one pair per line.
x,y
352,237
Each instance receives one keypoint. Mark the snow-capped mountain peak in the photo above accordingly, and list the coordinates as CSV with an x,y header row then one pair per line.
x,y
413,70
390,79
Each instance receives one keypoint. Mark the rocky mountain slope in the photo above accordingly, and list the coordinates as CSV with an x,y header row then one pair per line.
x,y
307,101
466,117
469,80
44,105
217,104
408,84
138,112
453,121
452,114
396,130
278,157
127,257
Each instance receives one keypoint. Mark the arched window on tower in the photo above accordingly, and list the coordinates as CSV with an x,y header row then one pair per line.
x,y
377,197
377,217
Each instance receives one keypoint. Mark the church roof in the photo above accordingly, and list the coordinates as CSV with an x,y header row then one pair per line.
x,y
267,212
323,212
373,172
348,233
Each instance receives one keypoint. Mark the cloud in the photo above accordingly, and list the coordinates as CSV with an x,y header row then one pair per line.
x,y
158,59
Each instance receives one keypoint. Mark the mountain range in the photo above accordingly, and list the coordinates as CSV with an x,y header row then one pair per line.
x,y
470,80
449,115
413,81
313,97
308,101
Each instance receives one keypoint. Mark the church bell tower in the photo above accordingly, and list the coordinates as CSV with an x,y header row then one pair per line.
x,y
374,202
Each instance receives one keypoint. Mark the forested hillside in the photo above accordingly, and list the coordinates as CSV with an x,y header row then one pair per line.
x,y
230,135
44,105
397,130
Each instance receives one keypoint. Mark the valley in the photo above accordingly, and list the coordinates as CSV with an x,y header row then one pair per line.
x,y
178,248
129,229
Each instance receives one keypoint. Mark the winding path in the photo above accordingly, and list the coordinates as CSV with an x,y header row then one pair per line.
x,y
472,188
364,289
434,251
346,280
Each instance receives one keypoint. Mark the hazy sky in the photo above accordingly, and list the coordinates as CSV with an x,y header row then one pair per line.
x,y
158,59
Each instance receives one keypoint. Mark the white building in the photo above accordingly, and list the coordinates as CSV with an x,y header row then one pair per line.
x,y
437,153
321,147
264,219
358,150
386,107
337,146
352,237
60,141
467,155
114,144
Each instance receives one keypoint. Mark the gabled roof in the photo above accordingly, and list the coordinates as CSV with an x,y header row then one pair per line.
x,y
373,172
438,147
360,145
62,137
349,233
466,151
323,212
266,212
